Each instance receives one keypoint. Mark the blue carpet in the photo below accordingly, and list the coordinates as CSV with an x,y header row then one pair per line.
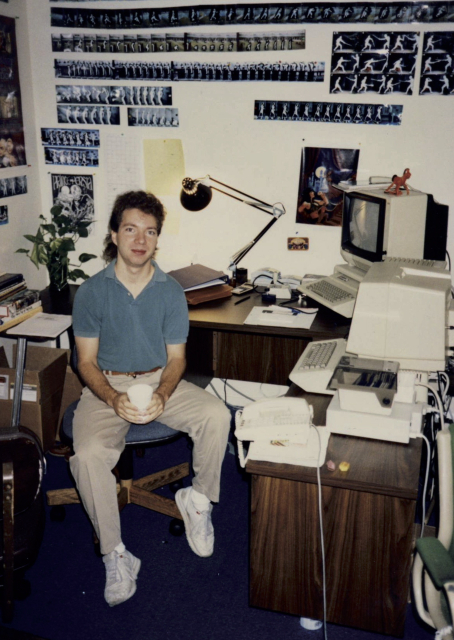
x,y
179,595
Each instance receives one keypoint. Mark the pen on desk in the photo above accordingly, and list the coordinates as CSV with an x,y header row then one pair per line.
x,y
243,300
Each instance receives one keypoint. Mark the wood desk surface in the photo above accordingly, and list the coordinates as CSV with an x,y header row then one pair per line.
x,y
376,466
225,315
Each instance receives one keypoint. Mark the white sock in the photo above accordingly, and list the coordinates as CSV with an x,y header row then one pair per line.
x,y
199,499
120,548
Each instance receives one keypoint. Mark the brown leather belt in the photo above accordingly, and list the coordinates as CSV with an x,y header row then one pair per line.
x,y
132,374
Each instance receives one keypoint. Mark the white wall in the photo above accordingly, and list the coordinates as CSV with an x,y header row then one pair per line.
x,y
220,137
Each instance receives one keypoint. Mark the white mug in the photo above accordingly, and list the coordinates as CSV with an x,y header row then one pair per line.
x,y
140,395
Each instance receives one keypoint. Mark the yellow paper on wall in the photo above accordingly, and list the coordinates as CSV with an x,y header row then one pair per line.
x,y
164,166
164,172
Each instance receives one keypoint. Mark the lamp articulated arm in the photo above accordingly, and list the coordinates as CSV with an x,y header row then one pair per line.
x,y
196,195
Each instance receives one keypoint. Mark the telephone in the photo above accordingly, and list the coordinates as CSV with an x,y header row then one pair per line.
x,y
265,276
278,421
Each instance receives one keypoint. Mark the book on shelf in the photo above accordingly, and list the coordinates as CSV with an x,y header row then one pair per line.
x,y
9,279
15,313
11,322
21,300
9,291
197,276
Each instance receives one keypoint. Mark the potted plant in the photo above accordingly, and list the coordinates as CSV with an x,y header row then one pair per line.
x,y
52,244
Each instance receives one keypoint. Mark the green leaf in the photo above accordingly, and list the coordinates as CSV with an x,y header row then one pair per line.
x,y
34,239
51,228
85,257
82,232
22,251
85,224
66,245
38,255
56,210
78,273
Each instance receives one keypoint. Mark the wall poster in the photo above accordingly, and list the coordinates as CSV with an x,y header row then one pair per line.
x,y
12,146
319,201
75,194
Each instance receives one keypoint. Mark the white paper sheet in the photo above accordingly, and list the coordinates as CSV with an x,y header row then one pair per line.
x,y
274,316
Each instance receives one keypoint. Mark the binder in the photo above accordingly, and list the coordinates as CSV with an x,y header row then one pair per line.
x,y
197,276
205,294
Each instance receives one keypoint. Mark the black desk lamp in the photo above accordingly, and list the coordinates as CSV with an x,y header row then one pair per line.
x,y
196,195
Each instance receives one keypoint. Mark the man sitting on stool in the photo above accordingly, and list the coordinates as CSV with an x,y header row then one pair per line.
x,y
131,321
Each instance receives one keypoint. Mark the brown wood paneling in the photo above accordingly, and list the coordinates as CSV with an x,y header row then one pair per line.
x,y
257,357
367,546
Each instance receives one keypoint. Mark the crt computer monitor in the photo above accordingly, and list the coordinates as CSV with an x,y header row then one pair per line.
x,y
377,225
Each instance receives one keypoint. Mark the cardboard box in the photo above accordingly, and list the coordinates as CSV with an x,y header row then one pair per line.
x,y
44,378
71,389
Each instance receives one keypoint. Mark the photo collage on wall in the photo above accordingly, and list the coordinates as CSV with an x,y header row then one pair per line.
x,y
373,62
12,145
71,147
4,214
263,13
319,202
437,68
178,42
176,71
92,99
115,95
75,194
15,186
328,112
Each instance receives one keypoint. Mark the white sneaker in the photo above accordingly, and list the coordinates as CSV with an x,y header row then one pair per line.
x,y
121,573
197,523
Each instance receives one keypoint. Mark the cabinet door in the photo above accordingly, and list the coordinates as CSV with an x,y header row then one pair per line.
x,y
256,358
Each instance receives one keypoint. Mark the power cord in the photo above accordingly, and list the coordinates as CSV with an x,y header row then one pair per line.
x,y
426,480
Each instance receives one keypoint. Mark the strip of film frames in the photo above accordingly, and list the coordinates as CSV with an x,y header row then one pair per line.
x,y
246,14
178,42
328,112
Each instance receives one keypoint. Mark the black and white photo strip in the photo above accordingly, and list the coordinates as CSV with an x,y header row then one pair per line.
x,y
91,94
150,117
437,68
3,214
328,112
13,186
263,13
71,156
178,42
175,71
70,137
373,62
84,114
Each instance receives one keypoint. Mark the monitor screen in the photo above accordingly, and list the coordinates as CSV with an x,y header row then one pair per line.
x,y
362,226
364,218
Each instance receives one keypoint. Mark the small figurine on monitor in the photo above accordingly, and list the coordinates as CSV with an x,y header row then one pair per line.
x,y
398,182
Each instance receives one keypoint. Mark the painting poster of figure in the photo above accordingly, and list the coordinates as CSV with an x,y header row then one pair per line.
x,y
75,194
12,148
319,201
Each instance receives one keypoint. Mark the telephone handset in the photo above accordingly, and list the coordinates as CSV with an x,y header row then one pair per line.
x,y
268,420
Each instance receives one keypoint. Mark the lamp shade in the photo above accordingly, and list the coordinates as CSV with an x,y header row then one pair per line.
x,y
195,196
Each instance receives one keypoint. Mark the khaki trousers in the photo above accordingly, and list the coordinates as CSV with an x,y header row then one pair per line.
x,y
99,439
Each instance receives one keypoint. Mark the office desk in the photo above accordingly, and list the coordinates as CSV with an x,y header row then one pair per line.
x,y
221,345
368,516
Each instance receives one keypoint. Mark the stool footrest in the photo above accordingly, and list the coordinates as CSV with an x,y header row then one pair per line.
x,y
152,501
161,478
62,496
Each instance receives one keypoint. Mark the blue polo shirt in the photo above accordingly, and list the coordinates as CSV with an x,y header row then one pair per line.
x,y
133,333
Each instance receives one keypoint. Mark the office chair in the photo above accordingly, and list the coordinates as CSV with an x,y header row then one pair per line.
x,y
433,567
130,491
